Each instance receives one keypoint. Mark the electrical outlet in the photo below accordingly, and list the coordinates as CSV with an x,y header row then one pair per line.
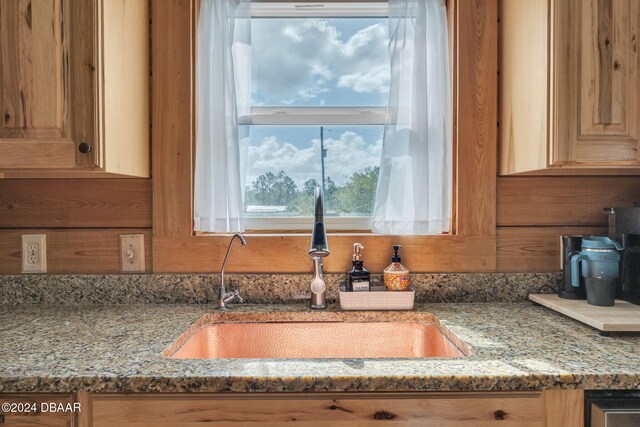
x,y
34,253
132,253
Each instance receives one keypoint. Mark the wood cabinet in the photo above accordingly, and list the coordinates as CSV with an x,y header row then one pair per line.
x,y
318,409
74,80
569,86
34,410
551,408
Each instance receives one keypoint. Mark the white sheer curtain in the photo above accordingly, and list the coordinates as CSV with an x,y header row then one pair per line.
x,y
415,182
223,91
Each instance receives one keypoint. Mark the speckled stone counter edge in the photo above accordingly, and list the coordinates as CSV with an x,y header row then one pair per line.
x,y
256,288
334,384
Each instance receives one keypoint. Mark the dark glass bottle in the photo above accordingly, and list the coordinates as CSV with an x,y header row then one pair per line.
x,y
359,277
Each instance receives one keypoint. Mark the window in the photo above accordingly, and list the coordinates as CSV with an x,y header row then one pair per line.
x,y
320,80
473,36
321,71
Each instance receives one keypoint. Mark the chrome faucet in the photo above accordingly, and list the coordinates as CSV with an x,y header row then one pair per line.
x,y
318,250
223,296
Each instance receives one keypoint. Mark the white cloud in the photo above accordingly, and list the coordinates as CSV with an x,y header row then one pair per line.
x,y
345,155
374,80
308,57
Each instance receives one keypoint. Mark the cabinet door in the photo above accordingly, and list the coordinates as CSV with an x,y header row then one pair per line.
x,y
22,414
319,409
47,74
595,84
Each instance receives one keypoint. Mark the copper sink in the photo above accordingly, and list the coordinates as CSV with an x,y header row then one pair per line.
x,y
306,336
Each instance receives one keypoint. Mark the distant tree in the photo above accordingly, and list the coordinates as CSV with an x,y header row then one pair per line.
x,y
249,196
272,189
309,186
286,188
356,196
331,190
302,205
330,185
263,188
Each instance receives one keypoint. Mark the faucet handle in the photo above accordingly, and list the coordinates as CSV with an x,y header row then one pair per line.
x,y
238,297
230,296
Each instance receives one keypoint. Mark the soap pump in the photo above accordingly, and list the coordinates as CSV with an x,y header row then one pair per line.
x,y
396,275
359,277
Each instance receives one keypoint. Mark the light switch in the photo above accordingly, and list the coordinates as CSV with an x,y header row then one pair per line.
x,y
132,253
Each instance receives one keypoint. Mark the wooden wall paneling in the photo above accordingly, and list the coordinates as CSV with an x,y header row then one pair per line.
x,y
289,253
563,201
74,251
535,249
172,116
75,203
477,105
564,408
452,29
176,249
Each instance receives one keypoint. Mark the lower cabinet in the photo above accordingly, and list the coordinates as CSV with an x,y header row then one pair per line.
x,y
36,410
554,408
371,409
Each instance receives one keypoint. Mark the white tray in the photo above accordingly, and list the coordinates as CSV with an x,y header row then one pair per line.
x,y
387,300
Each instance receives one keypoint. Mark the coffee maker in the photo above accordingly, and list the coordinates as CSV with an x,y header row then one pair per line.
x,y
624,228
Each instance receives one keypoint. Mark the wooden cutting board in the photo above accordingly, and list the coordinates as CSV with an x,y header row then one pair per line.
x,y
622,317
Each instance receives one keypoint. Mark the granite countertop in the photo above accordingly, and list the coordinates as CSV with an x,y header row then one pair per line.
x,y
117,348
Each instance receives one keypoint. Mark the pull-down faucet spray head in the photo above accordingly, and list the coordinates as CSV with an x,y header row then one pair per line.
x,y
319,246
318,250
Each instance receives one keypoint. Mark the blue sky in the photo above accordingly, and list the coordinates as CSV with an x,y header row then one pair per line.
x,y
333,62
317,62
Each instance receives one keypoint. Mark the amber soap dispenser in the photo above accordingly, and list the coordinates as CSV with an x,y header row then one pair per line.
x,y
396,275
359,277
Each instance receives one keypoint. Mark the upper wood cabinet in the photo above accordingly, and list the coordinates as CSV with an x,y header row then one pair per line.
x,y
569,86
74,79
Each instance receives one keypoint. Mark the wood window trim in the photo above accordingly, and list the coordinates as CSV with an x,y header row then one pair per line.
x,y
472,249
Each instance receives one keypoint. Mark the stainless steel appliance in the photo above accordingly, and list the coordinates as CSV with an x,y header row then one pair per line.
x,y
612,409
623,221
629,286
624,228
